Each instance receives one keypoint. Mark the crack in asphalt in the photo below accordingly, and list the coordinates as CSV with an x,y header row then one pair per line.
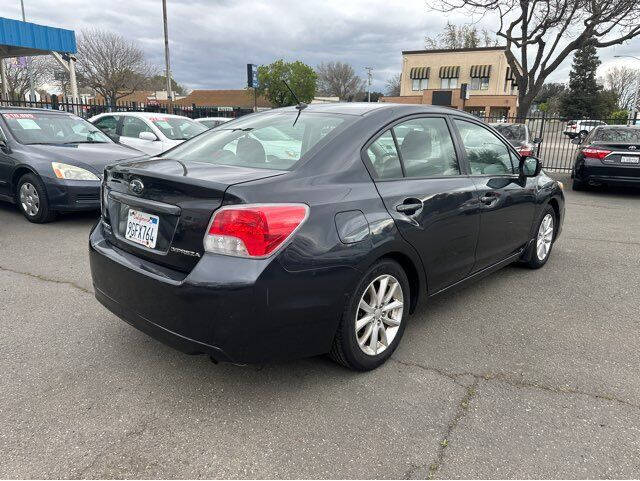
x,y
518,383
47,279
461,411
470,393
608,241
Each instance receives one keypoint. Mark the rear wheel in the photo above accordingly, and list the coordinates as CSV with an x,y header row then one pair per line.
x,y
31,197
375,318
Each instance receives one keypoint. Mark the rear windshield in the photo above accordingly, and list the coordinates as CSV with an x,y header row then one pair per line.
x,y
266,141
621,135
176,128
512,131
44,128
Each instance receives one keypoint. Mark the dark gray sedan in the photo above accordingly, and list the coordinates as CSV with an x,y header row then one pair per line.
x,y
53,161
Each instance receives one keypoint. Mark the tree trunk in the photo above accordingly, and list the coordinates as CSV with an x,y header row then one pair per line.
x,y
524,104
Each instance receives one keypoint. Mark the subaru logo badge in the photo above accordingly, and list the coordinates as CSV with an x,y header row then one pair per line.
x,y
632,147
136,186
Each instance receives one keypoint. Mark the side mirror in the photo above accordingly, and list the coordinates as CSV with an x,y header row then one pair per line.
x,y
530,166
537,140
147,136
576,140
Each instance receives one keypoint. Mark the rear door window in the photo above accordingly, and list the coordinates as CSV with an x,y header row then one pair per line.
x,y
384,158
107,124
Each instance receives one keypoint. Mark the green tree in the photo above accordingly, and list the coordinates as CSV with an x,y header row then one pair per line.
x,y
301,78
581,100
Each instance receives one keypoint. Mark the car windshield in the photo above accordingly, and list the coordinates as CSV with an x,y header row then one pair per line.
x,y
44,128
512,132
621,135
178,128
265,141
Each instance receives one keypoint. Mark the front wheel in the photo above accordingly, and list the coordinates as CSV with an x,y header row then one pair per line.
x,y
374,319
31,197
543,241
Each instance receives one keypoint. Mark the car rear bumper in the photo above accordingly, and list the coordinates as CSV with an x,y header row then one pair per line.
x,y
595,171
233,309
73,195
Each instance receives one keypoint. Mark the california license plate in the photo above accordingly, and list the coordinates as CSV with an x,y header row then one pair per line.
x,y
627,159
142,228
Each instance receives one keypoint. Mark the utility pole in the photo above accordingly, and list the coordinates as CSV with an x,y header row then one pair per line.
x,y
166,51
369,76
32,92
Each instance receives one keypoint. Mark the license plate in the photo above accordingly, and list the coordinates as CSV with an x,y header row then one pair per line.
x,y
142,228
625,159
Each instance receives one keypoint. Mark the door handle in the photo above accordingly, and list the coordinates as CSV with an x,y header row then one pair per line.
x,y
409,206
489,198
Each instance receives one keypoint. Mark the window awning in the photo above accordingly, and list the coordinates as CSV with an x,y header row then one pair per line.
x,y
419,72
478,71
449,72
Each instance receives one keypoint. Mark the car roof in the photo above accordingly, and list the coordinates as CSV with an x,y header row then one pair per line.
x,y
146,115
8,110
364,108
214,118
493,124
607,127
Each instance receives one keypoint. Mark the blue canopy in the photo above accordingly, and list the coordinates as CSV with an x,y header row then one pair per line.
x,y
24,38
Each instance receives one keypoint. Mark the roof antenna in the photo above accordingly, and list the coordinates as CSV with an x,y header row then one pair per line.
x,y
301,105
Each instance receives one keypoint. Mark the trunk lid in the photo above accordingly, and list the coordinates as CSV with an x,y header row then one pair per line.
x,y
180,197
622,153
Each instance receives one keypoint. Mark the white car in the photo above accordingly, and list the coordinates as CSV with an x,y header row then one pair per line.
x,y
581,128
149,132
211,122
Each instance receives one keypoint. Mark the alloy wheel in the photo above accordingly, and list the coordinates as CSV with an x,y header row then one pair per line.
x,y
545,237
379,314
29,199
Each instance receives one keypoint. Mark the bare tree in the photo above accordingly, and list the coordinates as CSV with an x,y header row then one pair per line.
x,y
393,85
111,65
338,79
460,36
18,75
622,81
544,33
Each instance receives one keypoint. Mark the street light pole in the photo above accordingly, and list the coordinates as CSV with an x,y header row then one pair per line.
x,y
636,93
166,51
368,69
32,92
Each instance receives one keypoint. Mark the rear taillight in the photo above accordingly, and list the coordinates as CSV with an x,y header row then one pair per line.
x,y
526,150
595,153
255,230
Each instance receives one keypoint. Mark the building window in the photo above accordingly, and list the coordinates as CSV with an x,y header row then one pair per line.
x,y
449,83
479,83
419,84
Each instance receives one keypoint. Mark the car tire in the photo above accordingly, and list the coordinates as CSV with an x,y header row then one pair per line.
x,y
31,198
351,346
577,184
543,235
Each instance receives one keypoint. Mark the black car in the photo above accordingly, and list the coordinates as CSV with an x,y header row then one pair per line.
x,y
219,247
52,161
519,136
609,155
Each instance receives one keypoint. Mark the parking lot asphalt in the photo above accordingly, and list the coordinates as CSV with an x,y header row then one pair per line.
x,y
525,374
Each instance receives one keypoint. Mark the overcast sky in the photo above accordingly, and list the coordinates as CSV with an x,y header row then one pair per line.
x,y
211,41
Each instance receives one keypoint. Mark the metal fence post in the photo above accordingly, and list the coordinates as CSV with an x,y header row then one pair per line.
x,y
544,114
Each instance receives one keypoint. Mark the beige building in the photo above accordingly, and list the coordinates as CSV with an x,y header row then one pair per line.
x,y
435,77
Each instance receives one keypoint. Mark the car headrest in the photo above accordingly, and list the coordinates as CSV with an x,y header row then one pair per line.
x,y
250,150
416,145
